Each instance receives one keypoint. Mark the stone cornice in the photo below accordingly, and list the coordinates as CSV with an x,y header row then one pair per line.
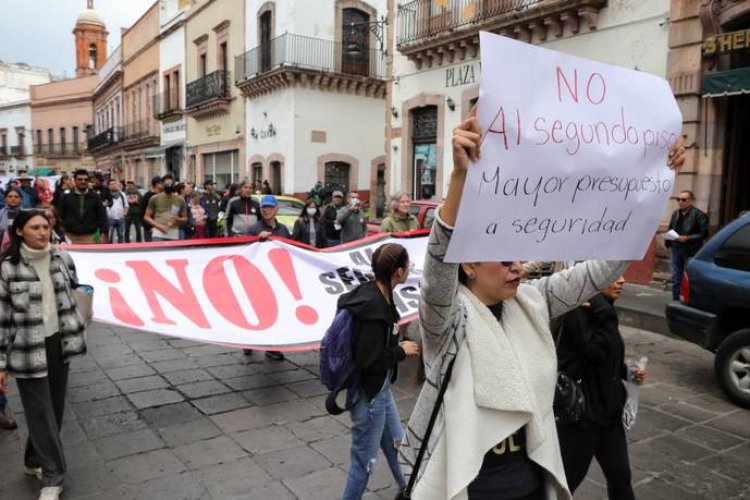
x,y
287,77
546,20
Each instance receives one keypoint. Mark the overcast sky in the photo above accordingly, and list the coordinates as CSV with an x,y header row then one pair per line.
x,y
39,32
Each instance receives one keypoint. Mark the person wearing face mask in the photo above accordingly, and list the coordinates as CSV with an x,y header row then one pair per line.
x,y
488,334
307,228
165,212
352,219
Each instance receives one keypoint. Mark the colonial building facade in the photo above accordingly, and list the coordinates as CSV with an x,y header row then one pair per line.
x,y
314,82
62,112
140,84
16,134
214,34
104,146
709,70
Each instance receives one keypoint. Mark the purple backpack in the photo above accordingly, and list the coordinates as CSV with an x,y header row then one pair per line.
x,y
338,370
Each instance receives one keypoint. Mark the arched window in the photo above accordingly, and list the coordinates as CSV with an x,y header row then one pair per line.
x,y
92,56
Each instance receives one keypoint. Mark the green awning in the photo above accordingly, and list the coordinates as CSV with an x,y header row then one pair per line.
x,y
42,171
726,83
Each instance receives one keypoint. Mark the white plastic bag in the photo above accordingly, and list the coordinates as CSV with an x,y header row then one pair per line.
x,y
631,404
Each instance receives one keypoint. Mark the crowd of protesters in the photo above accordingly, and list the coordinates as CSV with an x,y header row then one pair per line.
x,y
90,209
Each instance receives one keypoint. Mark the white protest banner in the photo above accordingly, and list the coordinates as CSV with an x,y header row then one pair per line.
x,y
573,158
238,292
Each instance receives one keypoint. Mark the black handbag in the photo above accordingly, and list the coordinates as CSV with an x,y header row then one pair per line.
x,y
405,493
569,404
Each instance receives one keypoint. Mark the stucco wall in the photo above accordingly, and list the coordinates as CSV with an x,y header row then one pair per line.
x,y
15,81
11,116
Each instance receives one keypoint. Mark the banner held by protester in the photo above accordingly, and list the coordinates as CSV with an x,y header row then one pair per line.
x,y
573,158
239,292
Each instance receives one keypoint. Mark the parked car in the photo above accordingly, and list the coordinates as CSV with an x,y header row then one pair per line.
x,y
289,209
424,210
714,307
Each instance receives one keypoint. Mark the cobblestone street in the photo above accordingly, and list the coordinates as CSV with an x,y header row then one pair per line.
x,y
153,418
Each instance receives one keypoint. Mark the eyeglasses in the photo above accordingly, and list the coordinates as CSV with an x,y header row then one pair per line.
x,y
683,199
506,263
84,179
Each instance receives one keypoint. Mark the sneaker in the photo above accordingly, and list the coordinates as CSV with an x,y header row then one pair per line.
x,y
7,422
275,355
33,471
247,352
50,493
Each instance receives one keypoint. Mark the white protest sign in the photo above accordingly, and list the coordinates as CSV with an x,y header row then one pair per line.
x,y
573,158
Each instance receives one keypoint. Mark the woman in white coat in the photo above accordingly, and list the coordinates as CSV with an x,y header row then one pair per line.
x,y
495,435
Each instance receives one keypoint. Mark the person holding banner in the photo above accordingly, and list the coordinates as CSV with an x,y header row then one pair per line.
x,y
494,434
40,331
377,353
400,220
307,228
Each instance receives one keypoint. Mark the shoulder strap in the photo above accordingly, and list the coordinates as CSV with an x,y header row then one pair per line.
x,y
425,440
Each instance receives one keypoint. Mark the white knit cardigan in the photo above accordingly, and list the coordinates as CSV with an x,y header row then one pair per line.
x,y
504,375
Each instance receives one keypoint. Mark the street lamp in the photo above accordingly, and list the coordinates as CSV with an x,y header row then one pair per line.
x,y
377,28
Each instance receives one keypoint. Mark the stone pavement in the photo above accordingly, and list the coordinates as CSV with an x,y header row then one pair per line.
x,y
154,418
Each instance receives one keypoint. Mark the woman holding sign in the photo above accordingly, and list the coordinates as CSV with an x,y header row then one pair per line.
x,y
490,357
40,330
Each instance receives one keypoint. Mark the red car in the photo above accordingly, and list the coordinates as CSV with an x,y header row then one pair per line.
x,y
424,210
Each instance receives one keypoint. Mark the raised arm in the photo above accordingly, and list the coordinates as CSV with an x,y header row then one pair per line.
x,y
572,287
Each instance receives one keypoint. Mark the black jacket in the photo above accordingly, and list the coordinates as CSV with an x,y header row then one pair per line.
x,y
301,232
246,210
376,347
329,217
591,348
82,214
693,224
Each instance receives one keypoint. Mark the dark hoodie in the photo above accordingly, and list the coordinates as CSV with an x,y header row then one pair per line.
x,y
591,348
376,347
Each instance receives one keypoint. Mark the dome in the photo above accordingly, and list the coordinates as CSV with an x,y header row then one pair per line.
x,y
90,16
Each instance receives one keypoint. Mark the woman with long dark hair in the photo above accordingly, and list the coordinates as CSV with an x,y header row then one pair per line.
x,y
488,334
307,228
40,331
377,352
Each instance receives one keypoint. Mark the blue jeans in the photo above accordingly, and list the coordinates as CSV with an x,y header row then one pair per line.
x,y
680,259
332,243
116,226
376,424
3,402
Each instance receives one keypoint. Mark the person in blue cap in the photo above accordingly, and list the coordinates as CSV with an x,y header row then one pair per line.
x,y
267,226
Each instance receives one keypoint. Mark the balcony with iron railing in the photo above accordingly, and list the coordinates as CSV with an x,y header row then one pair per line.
x,y
63,150
167,105
321,64
209,95
436,32
103,141
18,151
4,152
140,134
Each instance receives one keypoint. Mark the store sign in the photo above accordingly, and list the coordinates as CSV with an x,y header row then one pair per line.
x,y
465,74
727,42
173,127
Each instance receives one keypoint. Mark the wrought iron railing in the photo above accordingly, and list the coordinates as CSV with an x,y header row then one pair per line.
x,y
297,51
140,130
166,103
4,151
110,136
62,150
419,19
212,86
18,151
